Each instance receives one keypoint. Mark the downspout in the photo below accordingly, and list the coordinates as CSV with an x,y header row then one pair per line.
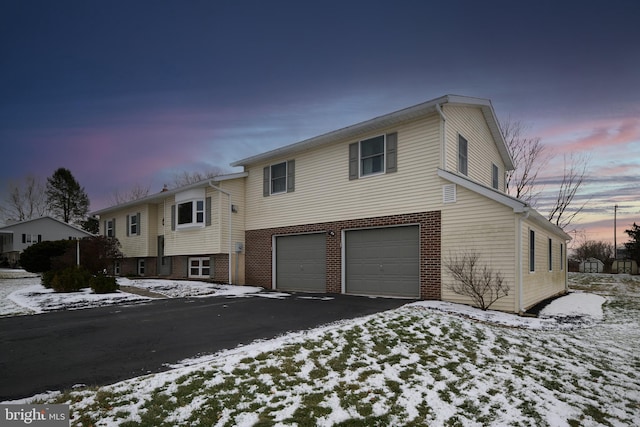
x,y
523,216
444,136
230,229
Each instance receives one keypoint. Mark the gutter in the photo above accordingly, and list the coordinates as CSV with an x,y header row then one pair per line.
x,y
230,229
444,135
523,216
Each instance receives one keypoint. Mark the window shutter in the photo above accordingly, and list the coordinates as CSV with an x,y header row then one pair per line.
x,y
392,152
173,217
207,211
138,227
114,227
291,176
266,178
128,225
353,161
24,238
105,228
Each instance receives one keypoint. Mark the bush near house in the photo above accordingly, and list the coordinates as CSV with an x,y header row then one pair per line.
x,y
103,284
41,257
70,279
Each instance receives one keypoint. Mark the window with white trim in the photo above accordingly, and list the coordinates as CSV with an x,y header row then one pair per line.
x,y
200,267
191,213
550,255
110,229
532,251
141,266
561,256
463,158
279,178
133,225
372,156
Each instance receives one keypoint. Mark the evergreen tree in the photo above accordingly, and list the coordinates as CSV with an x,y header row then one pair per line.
x,y
633,246
66,199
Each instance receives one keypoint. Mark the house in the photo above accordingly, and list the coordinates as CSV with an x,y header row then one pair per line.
x,y
17,236
182,233
376,208
591,265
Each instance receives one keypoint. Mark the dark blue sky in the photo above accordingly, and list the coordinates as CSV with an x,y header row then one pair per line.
x,y
131,92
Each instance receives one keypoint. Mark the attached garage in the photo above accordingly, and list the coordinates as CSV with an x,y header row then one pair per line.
x,y
383,261
300,262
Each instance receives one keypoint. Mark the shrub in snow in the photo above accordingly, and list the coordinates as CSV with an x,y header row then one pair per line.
x,y
70,279
40,257
475,280
103,284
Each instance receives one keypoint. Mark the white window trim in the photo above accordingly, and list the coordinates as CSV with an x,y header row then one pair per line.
x,y
133,218
384,156
286,178
194,214
532,256
561,256
496,169
142,267
466,158
550,254
200,267
109,229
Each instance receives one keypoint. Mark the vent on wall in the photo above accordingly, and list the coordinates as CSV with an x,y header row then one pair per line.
x,y
449,193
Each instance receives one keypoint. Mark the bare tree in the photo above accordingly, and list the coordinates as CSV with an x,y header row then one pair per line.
x,y
135,193
186,178
575,170
594,249
26,200
475,280
529,157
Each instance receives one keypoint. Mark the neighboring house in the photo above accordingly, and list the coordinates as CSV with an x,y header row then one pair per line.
x,y
17,236
375,208
591,265
182,233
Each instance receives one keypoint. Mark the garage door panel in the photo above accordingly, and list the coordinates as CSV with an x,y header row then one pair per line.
x,y
301,263
384,261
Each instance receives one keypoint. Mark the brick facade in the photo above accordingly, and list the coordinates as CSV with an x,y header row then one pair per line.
x,y
258,250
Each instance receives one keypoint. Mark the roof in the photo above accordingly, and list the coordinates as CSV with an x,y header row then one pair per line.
x,y
517,205
386,121
156,197
7,228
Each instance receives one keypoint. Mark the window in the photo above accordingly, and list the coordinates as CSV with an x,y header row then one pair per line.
x,y
561,256
116,268
31,238
532,251
191,213
372,156
550,255
462,155
110,228
279,178
495,182
133,225
200,267
141,266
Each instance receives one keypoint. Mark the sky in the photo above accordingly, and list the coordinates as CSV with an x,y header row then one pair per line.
x,y
128,94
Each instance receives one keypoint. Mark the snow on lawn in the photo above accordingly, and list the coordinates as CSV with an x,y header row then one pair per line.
x,y
187,288
418,365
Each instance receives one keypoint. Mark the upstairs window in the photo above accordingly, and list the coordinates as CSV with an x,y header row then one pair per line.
x,y
532,251
495,181
550,255
279,178
191,213
110,228
372,156
133,225
463,146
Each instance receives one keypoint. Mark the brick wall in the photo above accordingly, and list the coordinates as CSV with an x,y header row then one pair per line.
x,y
258,251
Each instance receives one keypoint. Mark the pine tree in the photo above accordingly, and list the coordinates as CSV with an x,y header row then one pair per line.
x,y
66,199
633,246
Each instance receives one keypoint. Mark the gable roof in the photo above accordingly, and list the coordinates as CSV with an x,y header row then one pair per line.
x,y
157,197
387,120
7,228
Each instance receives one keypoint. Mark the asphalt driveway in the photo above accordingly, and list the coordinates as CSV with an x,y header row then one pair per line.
x,y
100,346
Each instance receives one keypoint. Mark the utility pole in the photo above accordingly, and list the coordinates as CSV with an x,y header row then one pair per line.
x,y
615,229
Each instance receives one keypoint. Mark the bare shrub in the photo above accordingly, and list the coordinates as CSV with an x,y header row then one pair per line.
x,y
475,279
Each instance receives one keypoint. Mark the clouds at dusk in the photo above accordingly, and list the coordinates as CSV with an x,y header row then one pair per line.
x,y
131,93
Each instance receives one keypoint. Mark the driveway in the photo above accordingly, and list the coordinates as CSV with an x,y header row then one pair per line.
x,y
100,346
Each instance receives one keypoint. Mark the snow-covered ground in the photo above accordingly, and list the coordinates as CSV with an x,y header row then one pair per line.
x,y
427,363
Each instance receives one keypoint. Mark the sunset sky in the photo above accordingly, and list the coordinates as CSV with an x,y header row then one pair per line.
x,y
127,93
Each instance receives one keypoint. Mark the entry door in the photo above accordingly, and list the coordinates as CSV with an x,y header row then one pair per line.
x,y
164,262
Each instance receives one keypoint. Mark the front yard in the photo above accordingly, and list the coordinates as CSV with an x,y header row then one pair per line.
x,y
412,366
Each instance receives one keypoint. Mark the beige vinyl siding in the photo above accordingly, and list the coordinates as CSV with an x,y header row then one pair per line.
x,y
323,191
475,223
541,283
198,240
132,246
482,151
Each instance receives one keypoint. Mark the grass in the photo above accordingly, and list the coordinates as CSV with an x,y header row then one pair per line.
x,y
409,367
